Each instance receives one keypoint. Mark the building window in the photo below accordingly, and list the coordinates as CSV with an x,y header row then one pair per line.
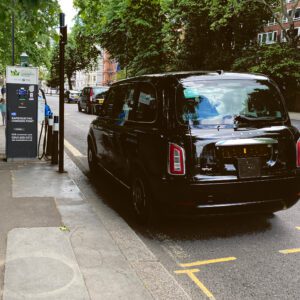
x,y
267,38
284,18
297,32
271,22
297,14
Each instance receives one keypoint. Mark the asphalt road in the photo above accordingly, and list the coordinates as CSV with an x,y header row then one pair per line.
x,y
211,258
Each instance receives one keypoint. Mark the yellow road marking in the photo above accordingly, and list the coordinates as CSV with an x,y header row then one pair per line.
x,y
207,262
201,286
73,150
289,251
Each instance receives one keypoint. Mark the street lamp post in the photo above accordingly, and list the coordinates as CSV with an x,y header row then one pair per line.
x,y
62,43
13,34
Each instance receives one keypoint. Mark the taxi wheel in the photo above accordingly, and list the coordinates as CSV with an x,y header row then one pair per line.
x,y
141,201
92,159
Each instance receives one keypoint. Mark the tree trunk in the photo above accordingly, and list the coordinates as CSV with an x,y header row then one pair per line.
x,y
70,82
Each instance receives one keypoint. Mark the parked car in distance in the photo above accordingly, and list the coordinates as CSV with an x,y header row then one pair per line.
x,y
198,143
89,98
72,96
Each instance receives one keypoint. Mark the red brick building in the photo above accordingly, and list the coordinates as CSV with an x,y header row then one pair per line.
x,y
109,69
273,32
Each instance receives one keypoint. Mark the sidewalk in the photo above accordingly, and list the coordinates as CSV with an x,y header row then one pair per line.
x,y
54,246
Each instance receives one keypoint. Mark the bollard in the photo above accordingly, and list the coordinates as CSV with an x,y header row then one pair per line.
x,y
54,158
49,136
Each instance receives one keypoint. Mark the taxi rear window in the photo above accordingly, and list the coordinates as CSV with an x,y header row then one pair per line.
x,y
215,103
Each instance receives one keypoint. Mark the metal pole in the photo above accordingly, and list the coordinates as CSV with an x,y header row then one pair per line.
x,y
54,154
13,34
63,40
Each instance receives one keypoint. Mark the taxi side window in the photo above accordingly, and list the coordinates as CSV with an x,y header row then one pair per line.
x,y
123,104
129,103
146,107
108,103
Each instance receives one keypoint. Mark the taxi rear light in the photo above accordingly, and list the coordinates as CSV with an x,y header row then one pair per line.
x,y
176,160
91,95
298,153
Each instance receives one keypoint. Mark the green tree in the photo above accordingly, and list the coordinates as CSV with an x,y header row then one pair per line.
x,y
35,22
130,30
213,33
281,62
81,53
282,14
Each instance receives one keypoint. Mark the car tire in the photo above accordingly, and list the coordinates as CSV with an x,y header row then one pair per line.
x,y
93,166
79,108
142,202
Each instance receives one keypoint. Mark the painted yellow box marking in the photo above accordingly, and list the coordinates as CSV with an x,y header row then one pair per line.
x,y
289,251
207,262
202,287
193,277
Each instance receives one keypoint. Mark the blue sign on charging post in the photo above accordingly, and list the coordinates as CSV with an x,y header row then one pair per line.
x,y
22,112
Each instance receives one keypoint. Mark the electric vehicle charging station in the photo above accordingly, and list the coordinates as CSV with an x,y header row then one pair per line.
x,y
22,112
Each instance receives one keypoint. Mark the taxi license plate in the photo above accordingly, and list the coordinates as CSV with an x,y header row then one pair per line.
x,y
249,167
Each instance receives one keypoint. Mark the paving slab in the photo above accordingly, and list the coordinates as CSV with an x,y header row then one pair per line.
x,y
21,212
42,180
40,264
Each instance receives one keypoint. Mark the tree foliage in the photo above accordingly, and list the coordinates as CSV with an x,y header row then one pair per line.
x,y
131,31
81,53
35,22
214,33
153,36
281,62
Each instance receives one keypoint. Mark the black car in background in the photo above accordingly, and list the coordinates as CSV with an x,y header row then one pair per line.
x,y
91,97
198,143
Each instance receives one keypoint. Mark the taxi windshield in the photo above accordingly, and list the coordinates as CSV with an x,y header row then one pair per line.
x,y
219,102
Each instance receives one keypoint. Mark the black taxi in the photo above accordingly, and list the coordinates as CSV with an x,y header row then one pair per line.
x,y
197,143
